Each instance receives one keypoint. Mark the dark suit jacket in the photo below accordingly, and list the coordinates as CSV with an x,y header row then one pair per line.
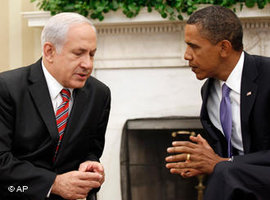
x,y
255,113
28,132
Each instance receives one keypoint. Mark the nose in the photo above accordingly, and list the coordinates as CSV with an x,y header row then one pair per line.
x,y
87,62
188,54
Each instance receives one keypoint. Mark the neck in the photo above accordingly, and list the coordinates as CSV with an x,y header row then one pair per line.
x,y
228,64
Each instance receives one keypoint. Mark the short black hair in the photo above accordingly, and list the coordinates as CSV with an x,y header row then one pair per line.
x,y
217,23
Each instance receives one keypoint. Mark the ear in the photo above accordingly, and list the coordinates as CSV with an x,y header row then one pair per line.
x,y
49,51
225,48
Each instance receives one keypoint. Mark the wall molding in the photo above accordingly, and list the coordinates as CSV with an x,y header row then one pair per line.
x,y
149,41
39,18
141,28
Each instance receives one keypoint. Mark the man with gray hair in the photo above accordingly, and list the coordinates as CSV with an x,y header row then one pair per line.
x,y
53,118
234,150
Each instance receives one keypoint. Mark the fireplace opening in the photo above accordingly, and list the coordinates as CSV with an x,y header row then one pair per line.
x,y
142,156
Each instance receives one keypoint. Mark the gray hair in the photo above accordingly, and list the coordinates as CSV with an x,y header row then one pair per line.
x,y
57,27
218,23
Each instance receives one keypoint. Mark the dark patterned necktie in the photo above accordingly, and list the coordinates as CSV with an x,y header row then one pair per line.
x,y
62,116
226,116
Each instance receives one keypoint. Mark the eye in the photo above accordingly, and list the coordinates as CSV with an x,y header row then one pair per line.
x,y
193,46
92,53
77,53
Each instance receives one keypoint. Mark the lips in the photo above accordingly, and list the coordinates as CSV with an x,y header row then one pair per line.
x,y
193,67
82,76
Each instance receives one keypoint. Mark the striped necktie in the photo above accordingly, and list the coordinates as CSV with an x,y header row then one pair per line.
x,y
62,116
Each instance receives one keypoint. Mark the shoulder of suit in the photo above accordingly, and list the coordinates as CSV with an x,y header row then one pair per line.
x,y
17,77
15,74
94,82
260,61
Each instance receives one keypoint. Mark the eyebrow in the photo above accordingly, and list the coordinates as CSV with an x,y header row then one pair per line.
x,y
192,44
84,50
94,50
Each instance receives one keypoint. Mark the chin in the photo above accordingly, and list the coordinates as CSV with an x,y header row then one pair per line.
x,y
75,85
200,77
79,85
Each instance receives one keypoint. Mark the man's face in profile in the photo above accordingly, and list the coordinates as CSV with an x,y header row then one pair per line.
x,y
74,64
203,56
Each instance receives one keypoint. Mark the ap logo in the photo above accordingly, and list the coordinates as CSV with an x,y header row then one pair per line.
x,y
18,189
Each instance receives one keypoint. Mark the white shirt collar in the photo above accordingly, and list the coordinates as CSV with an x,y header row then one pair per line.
x,y
53,85
234,79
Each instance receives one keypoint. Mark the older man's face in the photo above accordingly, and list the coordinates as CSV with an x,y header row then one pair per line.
x,y
74,64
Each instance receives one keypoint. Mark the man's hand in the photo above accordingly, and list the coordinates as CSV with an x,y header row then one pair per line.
x,y
75,184
93,166
202,157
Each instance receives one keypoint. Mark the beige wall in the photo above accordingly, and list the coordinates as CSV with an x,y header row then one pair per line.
x,y
18,42
4,35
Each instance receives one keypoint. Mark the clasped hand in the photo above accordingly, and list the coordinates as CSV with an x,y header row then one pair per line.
x,y
201,159
77,184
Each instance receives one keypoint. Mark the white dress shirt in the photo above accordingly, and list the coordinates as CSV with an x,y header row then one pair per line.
x,y
54,89
214,99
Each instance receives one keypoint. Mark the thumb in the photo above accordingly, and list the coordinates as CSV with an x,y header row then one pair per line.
x,y
203,142
199,139
83,167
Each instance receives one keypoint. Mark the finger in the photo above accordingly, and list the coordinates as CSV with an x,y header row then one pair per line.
x,y
181,143
176,171
96,167
182,149
171,165
190,173
178,165
185,174
199,139
90,185
184,165
75,196
178,149
102,179
176,158
203,141
93,176
178,144
81,186
91,166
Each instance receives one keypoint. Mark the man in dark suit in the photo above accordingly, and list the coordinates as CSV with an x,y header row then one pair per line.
x,y
53,118
235,110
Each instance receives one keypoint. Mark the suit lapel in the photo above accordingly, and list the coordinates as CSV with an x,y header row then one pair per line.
x,y
212,130
80,101
248,95
41,97
205,93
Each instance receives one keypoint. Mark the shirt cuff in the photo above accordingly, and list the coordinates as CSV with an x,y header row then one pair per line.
x,y
231,159
49,193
